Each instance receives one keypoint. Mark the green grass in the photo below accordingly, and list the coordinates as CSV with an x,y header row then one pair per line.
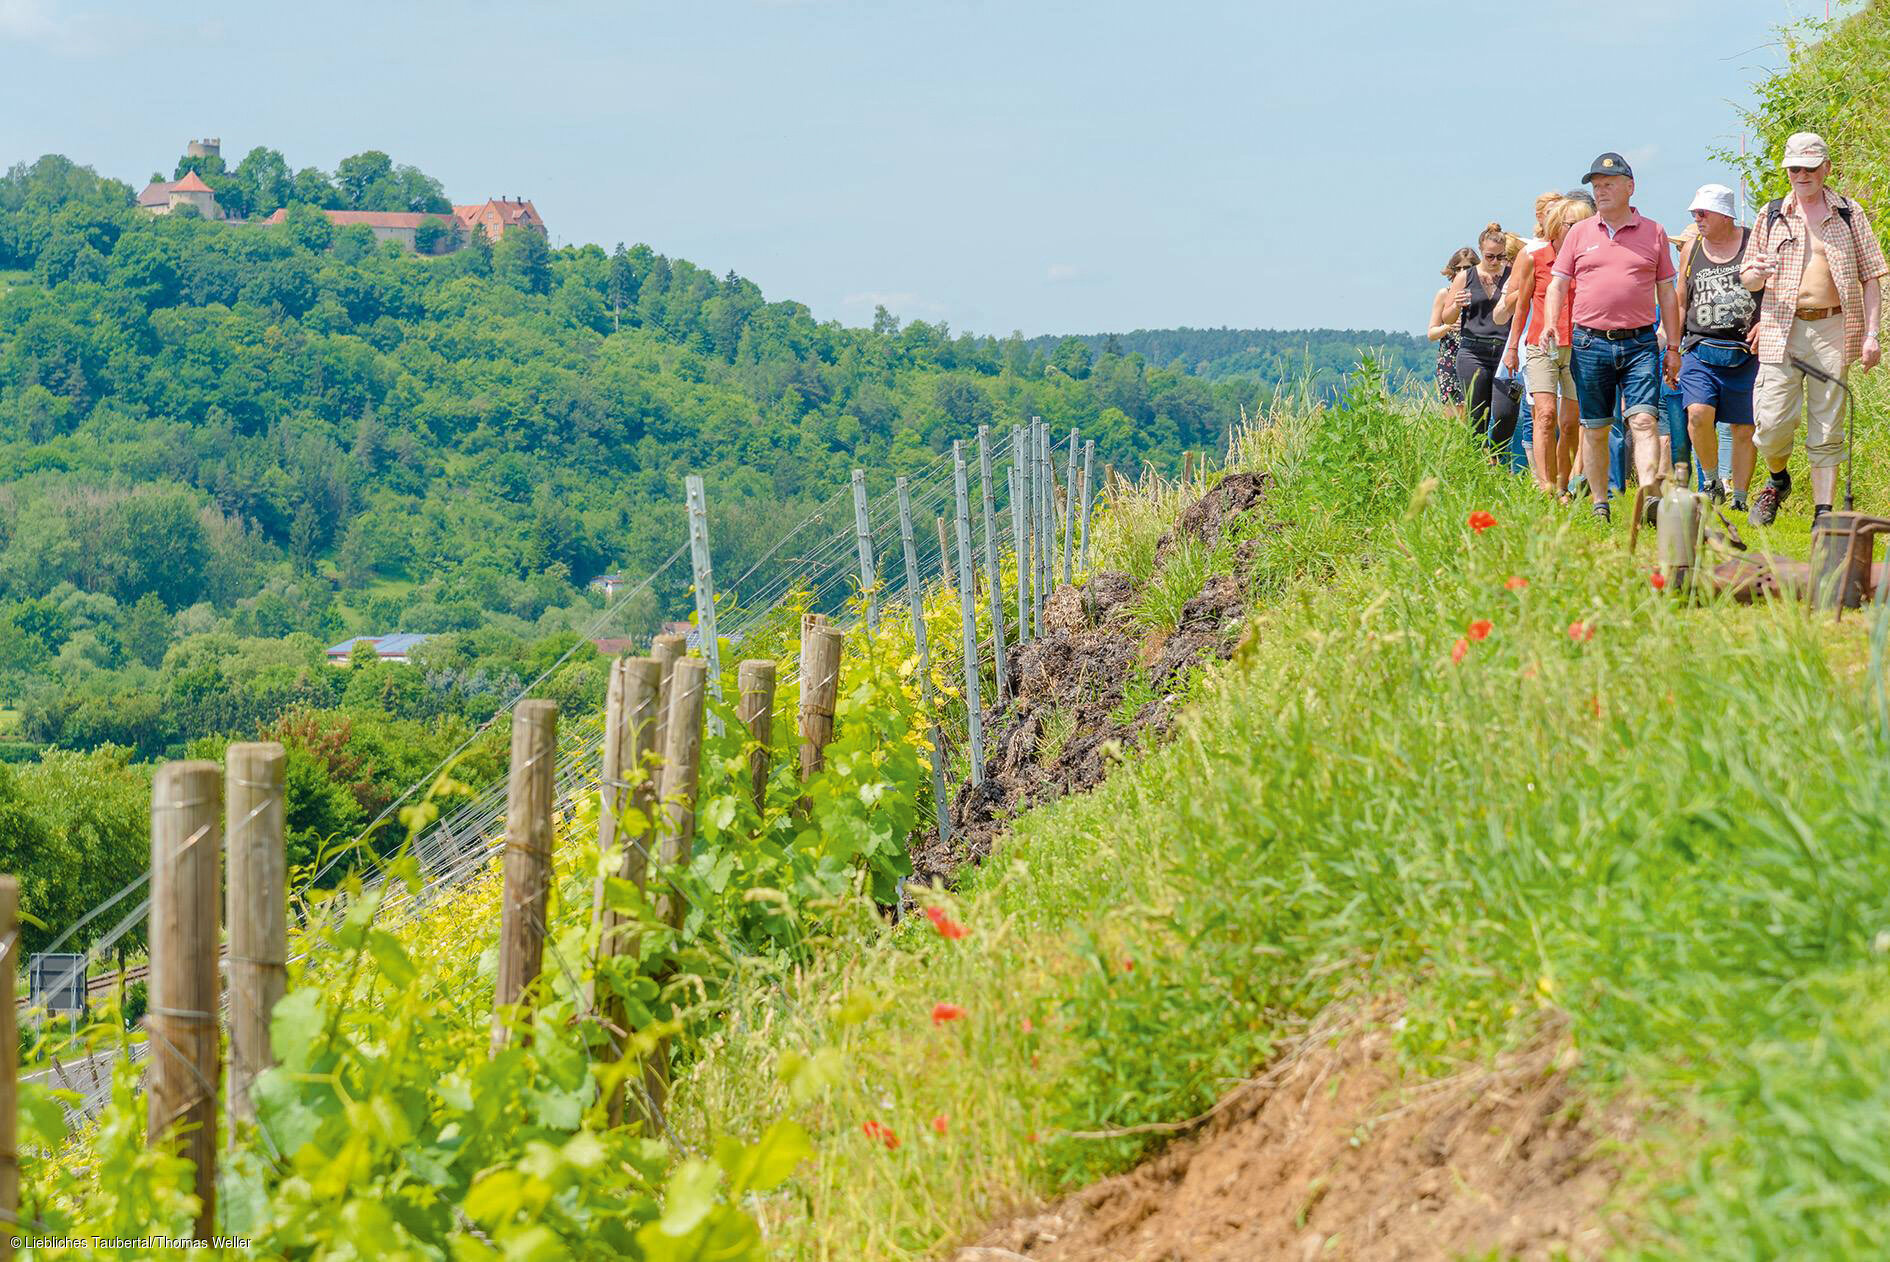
x,y
1672,832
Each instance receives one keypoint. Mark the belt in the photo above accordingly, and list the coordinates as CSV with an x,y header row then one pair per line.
x,y
1817,313
1616,335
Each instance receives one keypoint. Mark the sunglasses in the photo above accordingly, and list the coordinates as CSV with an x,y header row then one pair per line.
x,y
1497,257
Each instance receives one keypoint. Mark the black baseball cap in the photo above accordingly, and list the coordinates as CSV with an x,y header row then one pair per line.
x,y
1608,164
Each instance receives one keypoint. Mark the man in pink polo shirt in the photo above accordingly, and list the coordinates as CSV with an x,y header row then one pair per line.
x,y
1621,269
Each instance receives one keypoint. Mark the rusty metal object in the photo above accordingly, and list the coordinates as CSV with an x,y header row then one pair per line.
x,y
1843,546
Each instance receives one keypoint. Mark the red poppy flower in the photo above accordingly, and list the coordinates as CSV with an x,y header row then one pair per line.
x,y
1657,579
938,1124
943,1012
1481,521
1594,703
888,1138
1481,628
1031,1138
949,928
1128,965
872,1129
1580,632
1515,582
1459,650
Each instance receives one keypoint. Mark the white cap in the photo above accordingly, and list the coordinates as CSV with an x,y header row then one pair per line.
x,y
1806,149
1717,198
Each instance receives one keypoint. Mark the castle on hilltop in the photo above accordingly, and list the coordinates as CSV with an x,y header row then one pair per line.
x,y
437,233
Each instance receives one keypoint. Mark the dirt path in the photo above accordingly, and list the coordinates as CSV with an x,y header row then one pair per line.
x,y
1068,721
1331,1154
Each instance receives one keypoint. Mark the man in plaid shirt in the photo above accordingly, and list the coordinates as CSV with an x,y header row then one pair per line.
x,y
1820,265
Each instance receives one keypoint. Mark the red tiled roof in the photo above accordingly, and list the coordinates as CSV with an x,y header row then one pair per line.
x,y
191,183
511,214
156,193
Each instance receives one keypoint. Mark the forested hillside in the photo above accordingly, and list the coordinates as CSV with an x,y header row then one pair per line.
x,y
225,446
1316,360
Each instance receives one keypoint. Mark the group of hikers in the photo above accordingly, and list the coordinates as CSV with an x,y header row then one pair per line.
x,y
1618,343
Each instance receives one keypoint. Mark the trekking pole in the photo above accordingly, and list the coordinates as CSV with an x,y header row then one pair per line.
x,y
1850,421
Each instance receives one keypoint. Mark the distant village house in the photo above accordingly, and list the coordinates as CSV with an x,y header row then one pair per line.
x,y
389,648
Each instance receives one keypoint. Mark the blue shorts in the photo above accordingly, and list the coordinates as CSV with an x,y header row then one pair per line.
x,y
1727,390
1617,378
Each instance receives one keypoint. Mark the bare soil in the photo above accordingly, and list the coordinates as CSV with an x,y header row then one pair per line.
x,y
1332,1154
1072,681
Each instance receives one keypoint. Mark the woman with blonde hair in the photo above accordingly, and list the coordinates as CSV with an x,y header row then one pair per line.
x,y
1445,318
1481,342
1545,357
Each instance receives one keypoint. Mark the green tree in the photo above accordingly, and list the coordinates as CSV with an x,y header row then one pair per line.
x,y
309,228
523,261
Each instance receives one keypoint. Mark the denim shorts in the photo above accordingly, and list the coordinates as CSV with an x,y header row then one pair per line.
x,y
1615,378
1727,390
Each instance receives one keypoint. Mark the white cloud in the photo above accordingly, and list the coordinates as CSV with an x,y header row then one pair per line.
x,y
1062,273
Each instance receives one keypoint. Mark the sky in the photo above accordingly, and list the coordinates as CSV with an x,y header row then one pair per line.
x,y
1047,167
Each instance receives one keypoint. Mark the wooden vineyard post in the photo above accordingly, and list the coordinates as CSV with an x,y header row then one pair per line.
x,y
915,594
1047,507
666,649
1187,466
676,826
1020,531
945,553
676,790
1036,524
186,854
629,737
528,836
820,694
1069,510
863,540
994,579
9,1066
1109,479
1089,500
1049,513
256,911
968,611
756,678
705,585
1023,583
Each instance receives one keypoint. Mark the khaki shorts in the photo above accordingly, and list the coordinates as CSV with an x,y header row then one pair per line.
x,y
1783,391
1546,372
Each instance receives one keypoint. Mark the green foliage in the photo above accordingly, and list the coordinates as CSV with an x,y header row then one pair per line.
x,y
1836,82
74,828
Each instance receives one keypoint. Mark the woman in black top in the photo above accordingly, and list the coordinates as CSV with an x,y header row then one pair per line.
x,y
1480,348
1717,367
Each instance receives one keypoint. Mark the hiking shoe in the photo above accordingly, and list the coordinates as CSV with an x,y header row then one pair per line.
x,y
1817,515
1650,511
1765,504
1601,512
1716,491
1739,502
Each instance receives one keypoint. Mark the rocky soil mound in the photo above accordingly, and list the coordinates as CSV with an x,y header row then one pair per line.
x,y
1064,724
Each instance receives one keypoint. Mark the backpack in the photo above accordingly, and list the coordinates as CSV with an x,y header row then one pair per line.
x,y
1775,211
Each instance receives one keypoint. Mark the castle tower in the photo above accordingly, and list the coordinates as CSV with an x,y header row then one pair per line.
x,y
208,147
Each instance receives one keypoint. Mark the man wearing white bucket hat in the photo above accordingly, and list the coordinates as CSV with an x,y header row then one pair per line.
x,y
1818,262
1717,366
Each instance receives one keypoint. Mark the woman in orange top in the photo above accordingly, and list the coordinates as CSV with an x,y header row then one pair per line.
x,y
1545,359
